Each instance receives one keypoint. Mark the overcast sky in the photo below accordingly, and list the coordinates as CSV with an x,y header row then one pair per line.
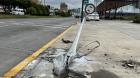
x,y
70,3
76,4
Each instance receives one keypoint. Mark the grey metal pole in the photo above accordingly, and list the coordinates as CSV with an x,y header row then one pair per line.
x,y
95,1
82,11
62,62
138,6
72,51
44,2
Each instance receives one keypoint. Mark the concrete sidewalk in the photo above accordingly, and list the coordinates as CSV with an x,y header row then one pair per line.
x,y
111,59
116,48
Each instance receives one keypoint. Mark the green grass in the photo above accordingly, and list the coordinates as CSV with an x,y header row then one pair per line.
x,y
4,16
127,18
136,19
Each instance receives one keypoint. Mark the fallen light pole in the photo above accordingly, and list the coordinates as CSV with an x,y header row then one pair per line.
x,y
62,62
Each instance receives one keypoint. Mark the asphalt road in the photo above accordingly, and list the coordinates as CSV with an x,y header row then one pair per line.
x,y
21,37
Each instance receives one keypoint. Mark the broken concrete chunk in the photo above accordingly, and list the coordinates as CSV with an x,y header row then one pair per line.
x,y
81,66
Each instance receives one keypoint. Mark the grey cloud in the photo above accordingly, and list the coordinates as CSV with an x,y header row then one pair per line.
x,y
70,3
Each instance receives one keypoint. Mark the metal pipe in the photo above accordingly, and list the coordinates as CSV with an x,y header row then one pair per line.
x,y
62,62
72,50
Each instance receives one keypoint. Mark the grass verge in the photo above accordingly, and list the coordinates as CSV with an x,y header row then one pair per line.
x,y
136,19
4,16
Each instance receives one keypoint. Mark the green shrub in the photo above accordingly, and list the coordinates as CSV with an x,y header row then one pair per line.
x,y
32,11
137,19
45,11
65,14
38,10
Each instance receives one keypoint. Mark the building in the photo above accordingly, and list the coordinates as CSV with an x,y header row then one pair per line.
x,y
127,6
52,10
128,9
64,7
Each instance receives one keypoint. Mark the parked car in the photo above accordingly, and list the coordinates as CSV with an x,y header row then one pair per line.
x,y
94,16
18,12
77,15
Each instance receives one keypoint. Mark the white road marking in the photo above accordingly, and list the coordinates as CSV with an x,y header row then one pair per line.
x,y
16,23
28,22
4,26
51,26
47,26
37,25
11,21
2,22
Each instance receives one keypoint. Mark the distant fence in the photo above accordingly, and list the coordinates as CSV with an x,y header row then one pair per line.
x,y
117,16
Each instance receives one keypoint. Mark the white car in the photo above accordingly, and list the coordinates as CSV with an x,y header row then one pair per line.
x,y
94,16
18,12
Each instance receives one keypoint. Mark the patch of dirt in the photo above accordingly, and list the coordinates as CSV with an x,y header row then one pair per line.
x,y
105,54
103,74
130,64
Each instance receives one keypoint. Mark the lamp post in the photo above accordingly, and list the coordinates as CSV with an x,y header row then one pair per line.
x,y
82,10
84,2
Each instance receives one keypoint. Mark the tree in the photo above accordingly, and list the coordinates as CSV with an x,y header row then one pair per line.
x,y
9,4
40,10
24,3
32,11
65,14
35,1
31,6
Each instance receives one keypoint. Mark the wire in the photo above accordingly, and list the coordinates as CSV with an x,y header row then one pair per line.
x,y
91,49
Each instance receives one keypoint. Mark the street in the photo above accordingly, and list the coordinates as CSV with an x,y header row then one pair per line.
x,y
69,38
19,38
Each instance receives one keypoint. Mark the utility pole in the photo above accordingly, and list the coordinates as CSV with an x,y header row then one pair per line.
x,y
44,2
139,5
95,1
82,11
84,2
